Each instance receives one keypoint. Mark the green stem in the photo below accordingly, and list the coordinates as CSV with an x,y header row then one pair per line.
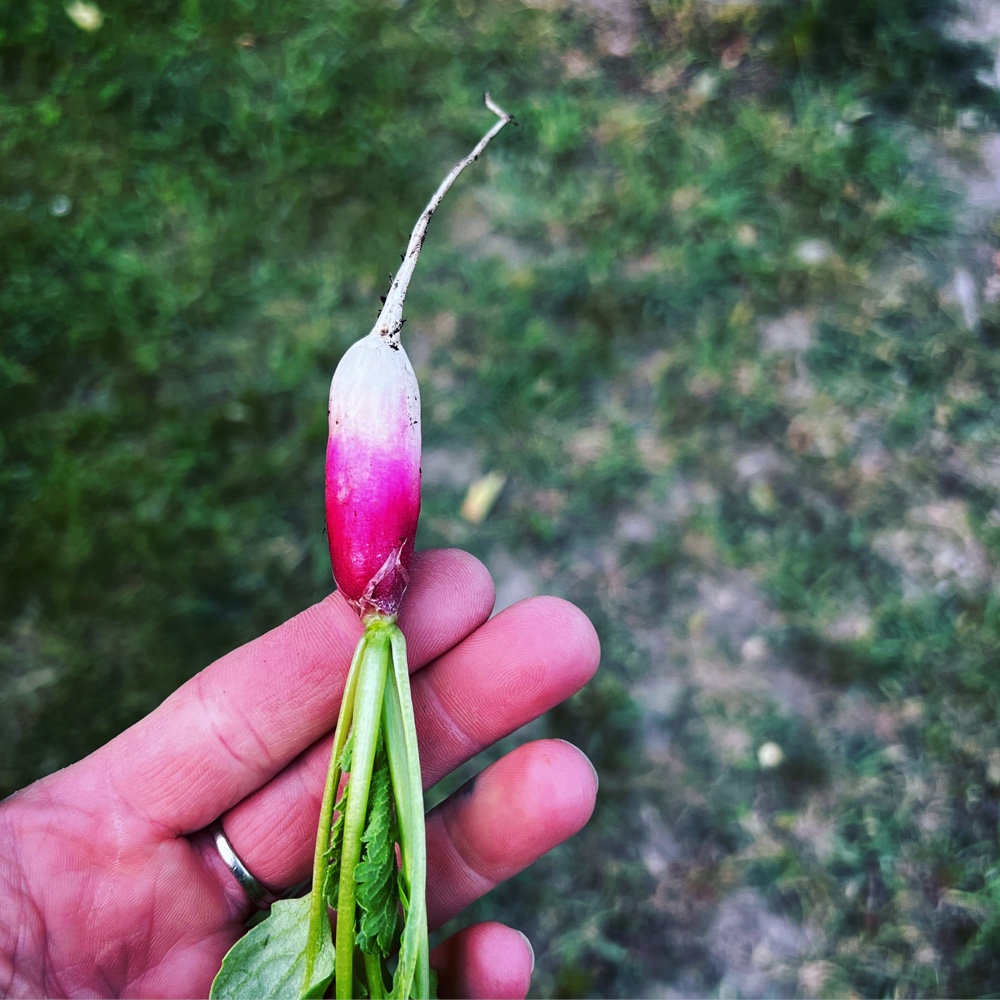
x,y
367,709
373,970
413,965
395,748
318,926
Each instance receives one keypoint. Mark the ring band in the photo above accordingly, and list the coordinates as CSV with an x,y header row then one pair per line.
x,y
256,892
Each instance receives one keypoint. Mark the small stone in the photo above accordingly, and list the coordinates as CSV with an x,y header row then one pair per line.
x,y
704,85
770,755
791,332
86,16
814,252
754,650
60,206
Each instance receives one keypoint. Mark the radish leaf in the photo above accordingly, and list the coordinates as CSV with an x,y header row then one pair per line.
x,y
331,879
269,960
376,873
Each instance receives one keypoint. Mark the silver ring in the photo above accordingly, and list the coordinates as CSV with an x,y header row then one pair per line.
x,y
256,892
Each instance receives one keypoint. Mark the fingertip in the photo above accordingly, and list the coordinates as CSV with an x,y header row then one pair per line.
x,y
518,809
451,594
563,778
460,572
570,630
587,761
484,960
580,634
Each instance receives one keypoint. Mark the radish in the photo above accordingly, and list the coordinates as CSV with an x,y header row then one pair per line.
x,y
372,507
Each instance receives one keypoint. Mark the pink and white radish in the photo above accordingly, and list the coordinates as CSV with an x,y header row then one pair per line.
x,y
373,473
373,457
372,508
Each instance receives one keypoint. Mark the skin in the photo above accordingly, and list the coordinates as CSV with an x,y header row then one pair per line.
x,y
111,887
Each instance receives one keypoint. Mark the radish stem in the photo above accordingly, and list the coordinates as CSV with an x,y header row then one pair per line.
x,y
368,707
317,911
373,971
413,957
395,746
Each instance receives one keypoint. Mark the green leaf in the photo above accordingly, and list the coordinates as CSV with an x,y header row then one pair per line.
x,y
269,960
347,754
376,874
331,881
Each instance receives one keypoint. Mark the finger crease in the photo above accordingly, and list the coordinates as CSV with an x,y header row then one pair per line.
x,y
219,732
461,853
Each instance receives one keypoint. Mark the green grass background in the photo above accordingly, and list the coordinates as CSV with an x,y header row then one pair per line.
x,y
784,533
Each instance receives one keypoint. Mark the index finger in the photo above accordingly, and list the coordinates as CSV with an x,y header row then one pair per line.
x,y
239,721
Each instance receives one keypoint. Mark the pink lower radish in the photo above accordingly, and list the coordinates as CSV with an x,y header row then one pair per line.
x,y
372,507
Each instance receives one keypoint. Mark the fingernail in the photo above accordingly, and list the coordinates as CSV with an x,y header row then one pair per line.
x,y
597,777
524,937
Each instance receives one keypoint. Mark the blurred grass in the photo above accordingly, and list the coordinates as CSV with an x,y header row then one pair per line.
x,y
695,310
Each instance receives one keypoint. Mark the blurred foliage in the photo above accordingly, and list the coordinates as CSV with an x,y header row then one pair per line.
x,y
696,309
900,53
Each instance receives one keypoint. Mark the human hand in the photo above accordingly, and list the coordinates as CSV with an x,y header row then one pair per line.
x,y
111,885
